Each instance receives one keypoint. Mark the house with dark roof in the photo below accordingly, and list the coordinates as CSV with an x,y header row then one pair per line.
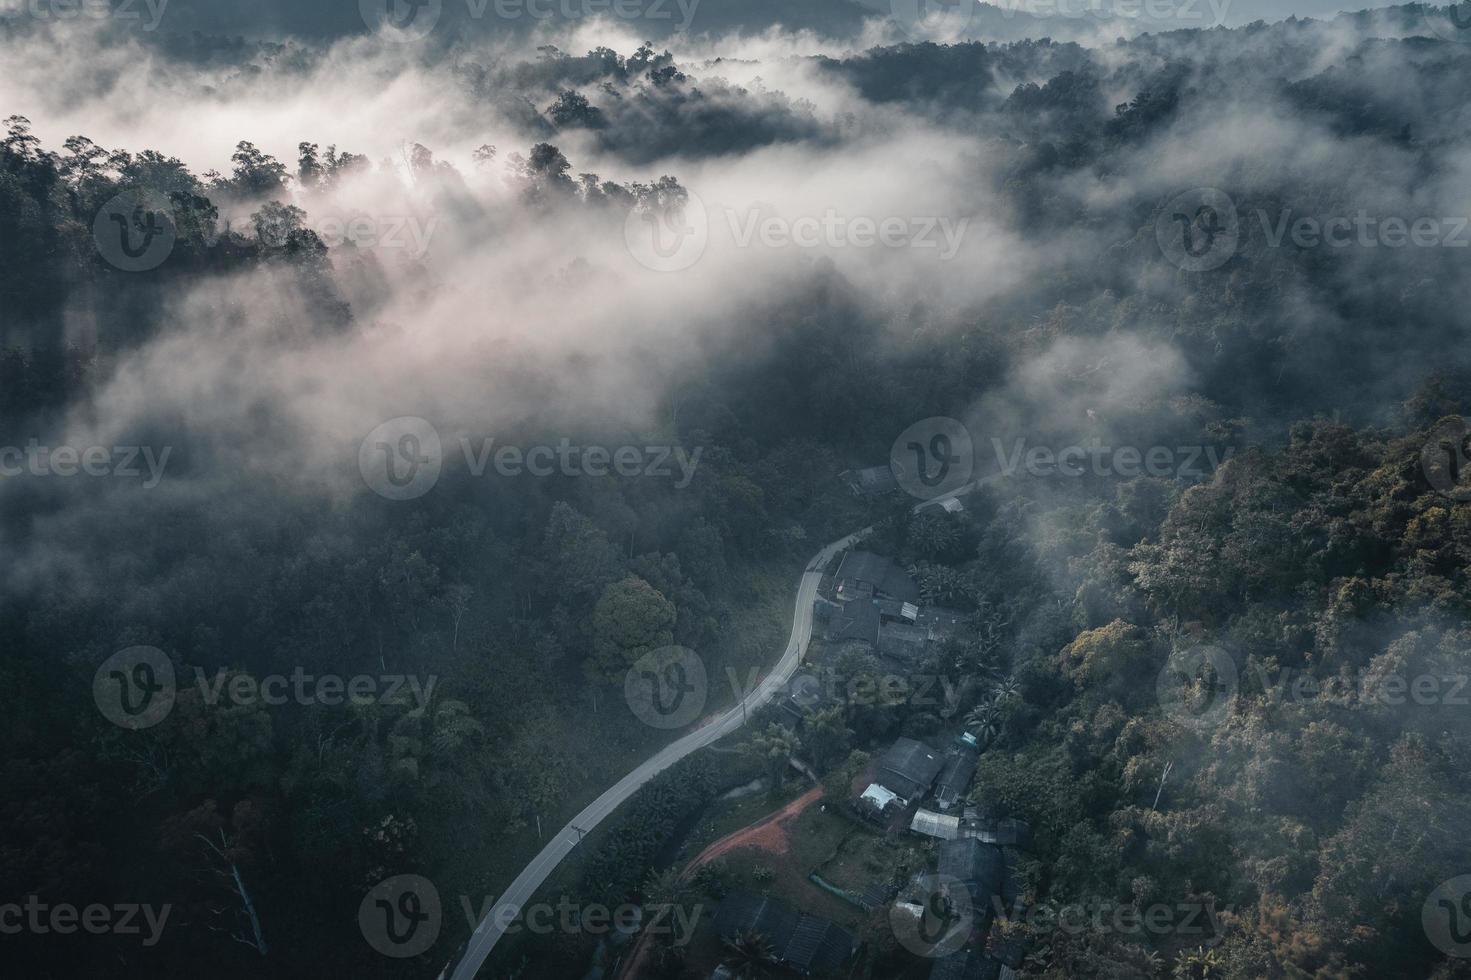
x,y
897,611
970,964
1002,832
854,622
871,481
901,643
800,942
865,575
939,622
960,769
980,867
908,768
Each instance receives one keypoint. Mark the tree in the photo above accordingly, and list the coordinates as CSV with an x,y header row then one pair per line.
x,y
631,619
256,174
984,723
827,736
572,110
774,748
749,954
308,167
580,559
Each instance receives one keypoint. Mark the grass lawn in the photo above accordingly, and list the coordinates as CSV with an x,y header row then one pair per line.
x,y
867,858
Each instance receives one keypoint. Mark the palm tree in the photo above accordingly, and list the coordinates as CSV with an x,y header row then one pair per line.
x,y
1199,964
984,723
1007,689
749,954
666,888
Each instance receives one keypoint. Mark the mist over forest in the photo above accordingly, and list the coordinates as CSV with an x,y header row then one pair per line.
x,y
389,391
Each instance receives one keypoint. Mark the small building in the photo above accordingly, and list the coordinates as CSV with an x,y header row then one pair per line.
x,y
980,867
939,622
897,611
966,964
878,797
865,575
998,832
903,644
952,505
960,769
870,482
908,769
800,942
856,621
932,824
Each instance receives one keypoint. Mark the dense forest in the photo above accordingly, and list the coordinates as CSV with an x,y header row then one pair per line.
x,y
1322,564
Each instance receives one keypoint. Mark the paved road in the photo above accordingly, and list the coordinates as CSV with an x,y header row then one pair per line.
x,y
508,907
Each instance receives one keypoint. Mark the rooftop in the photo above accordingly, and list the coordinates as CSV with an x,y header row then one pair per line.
x,y
887,579
909,768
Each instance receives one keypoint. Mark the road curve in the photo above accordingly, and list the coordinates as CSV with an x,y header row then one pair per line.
x,y
508,906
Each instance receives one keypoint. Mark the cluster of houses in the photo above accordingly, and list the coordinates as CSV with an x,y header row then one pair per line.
x,y
976,854
915,787
876,604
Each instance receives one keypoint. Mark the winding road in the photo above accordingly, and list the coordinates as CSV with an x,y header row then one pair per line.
x,y
490,929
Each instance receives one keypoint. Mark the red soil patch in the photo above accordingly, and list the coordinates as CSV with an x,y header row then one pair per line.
x,y
767,834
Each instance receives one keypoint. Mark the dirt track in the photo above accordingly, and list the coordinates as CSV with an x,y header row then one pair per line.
x,y
767,834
